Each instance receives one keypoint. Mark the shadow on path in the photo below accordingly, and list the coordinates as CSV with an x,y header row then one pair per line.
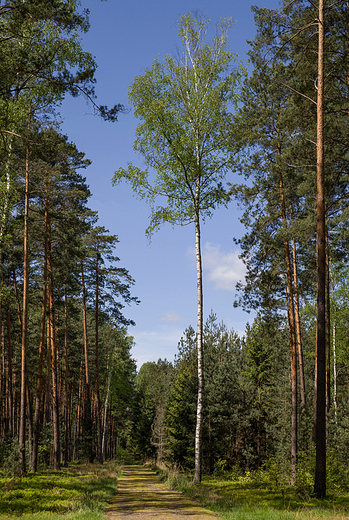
x,y
141,496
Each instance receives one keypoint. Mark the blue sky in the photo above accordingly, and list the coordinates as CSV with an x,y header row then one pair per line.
x,y
125,38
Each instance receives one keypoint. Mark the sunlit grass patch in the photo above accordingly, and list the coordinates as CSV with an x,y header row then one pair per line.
x,y
81,492
256,497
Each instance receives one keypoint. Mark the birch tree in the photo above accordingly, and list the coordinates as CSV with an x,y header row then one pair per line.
x,y
185,136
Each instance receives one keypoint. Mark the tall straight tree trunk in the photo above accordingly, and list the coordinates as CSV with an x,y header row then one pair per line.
x,y
22,421
298,322
334,371
98,401
292,330
198,429
48,374
40,379
10,375
30,423
66,392
328,329
106,410
87,409
54,367
7,192
19,311
320,464
3,389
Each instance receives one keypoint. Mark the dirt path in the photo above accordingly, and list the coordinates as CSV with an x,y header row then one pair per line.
x,y
141,496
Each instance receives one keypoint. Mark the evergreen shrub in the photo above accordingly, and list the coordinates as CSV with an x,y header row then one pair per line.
x,y
337,472
305,474
12,461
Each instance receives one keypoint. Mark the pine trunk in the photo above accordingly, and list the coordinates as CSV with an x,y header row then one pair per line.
x,y
87,409
298,323
320,465
66,396
292,333
98,401
328,330
54,367
30,423
22,420
40,379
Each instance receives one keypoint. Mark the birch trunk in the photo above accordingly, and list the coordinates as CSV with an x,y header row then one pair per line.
x,y
6,205
334,372
10,375
198,429
105,412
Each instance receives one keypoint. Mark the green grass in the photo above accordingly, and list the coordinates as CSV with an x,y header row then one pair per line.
x,y
74,493
253,497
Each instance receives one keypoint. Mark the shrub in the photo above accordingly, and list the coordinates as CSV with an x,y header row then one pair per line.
x,y
12,460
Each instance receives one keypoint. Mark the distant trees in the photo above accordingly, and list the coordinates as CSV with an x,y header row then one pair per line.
x,y
246,411
152,393
248,402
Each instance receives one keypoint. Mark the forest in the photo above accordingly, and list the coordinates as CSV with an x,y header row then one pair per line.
x,y
274,400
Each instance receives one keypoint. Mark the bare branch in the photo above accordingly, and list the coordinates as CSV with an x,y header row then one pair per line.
x,y
296,91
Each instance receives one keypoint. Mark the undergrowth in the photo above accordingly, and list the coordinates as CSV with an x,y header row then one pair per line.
x,y
79,492
264,494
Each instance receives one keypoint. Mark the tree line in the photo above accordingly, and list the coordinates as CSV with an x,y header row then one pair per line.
x,y
66,367
247,407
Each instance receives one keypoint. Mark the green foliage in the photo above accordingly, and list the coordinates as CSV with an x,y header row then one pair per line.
x,y
152,388
77,492
11,459
255,495
181,414
185,136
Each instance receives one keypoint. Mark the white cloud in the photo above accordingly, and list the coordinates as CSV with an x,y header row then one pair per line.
x,y
150,346
224,269
170,317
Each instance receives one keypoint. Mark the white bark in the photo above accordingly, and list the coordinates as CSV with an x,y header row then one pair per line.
x,y
334,372
6,204
105,412
198,430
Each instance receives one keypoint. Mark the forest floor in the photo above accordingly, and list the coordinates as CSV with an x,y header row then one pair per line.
x,y
141,496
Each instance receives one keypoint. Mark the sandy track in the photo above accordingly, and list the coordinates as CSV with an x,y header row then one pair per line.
x,y
141,496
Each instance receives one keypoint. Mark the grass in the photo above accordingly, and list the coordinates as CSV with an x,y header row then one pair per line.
x,y
252,497
79,492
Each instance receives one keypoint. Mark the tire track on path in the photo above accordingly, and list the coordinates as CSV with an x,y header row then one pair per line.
x,y
141,496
